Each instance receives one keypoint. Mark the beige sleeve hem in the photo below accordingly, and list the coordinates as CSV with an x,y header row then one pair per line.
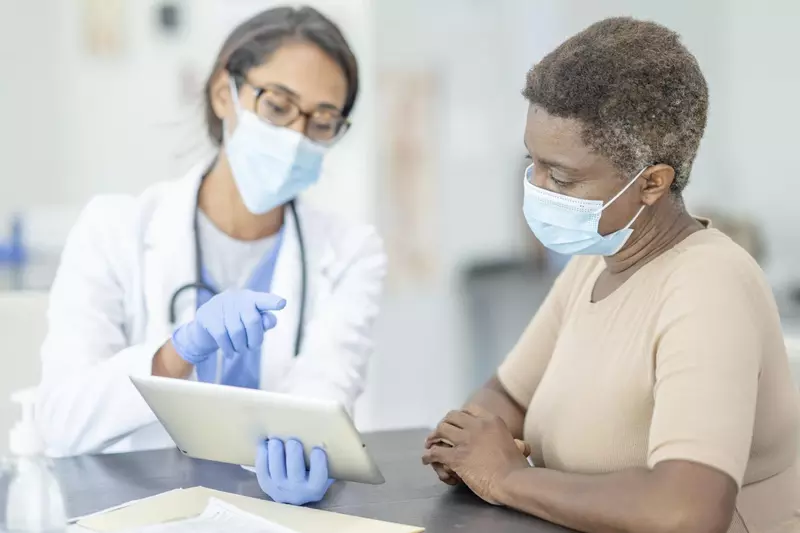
x,y
513,387
694,453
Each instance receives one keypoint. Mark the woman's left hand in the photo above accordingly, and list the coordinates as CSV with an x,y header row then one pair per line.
x,y
483,450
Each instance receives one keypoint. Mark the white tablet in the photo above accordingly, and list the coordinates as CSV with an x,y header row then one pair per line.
x,y
226,424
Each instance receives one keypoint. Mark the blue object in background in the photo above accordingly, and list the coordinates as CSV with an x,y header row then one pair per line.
x,y
13,253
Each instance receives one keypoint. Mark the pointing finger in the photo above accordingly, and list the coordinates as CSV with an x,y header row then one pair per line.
x,y
268,302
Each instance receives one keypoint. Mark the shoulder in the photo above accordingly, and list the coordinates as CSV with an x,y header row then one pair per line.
x,y
714,283
114,225
709,261
116,215
107,217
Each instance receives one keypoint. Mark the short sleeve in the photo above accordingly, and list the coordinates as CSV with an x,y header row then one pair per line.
x,y
523,367
709,344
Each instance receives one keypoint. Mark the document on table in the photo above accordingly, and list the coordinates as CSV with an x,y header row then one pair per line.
x,y
179,511
218,517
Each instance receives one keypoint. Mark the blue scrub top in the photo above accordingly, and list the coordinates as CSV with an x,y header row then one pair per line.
x,y
244,370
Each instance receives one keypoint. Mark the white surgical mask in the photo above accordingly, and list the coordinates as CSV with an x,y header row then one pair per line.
x,y
568,225
270,164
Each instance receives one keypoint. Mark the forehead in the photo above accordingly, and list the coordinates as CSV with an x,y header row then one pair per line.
x,y
306,70
556,139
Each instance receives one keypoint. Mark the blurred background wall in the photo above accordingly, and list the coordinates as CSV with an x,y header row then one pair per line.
x,y
104,96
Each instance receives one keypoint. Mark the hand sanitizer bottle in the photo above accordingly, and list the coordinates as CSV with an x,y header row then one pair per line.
x,y
35,503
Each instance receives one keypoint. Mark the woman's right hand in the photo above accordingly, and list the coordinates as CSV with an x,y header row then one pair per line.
x,y
233,321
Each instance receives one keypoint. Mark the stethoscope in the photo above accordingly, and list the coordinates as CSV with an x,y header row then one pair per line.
x,y
200,285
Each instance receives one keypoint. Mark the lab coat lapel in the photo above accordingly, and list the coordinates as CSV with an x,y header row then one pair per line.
x,y
279,346
286,281
169,253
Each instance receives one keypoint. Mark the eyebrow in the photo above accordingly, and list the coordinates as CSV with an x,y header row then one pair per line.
x,y
550,163
284,88
556,164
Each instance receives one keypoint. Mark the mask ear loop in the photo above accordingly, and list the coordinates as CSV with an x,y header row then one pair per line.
x,y
635,217
625,188
235,94
620,193
236,106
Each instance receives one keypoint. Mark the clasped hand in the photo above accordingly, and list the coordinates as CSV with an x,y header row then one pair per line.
x,y
233,321
476,447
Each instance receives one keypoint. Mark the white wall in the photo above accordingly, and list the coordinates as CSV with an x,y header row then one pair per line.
x,y
764,86
31,105
422,367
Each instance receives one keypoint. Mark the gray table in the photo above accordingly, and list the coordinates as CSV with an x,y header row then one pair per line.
x,y
412,493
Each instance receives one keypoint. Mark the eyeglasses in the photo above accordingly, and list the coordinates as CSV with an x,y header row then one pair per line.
x,y
279,107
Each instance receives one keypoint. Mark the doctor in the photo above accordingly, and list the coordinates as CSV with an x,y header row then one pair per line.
x,y
185,280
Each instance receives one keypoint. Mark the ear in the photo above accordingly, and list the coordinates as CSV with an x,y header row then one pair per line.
x,y
657,181
220,96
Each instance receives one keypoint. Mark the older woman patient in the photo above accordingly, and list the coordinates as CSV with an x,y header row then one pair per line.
x,y
653,384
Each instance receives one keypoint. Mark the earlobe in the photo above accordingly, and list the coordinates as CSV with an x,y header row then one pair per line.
x,y
220,95
657,182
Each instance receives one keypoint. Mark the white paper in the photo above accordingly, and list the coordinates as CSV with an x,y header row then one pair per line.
x,y
116,507
218,517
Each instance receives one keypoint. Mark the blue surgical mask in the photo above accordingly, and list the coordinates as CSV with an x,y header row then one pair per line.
x,y
270,164
568,225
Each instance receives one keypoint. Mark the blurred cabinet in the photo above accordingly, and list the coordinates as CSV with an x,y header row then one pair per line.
x,y
500,299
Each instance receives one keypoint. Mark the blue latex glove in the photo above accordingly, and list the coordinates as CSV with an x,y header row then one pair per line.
x,y
233,321
282,474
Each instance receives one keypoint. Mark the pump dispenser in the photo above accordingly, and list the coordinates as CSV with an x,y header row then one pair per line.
x,y
35,501
24,439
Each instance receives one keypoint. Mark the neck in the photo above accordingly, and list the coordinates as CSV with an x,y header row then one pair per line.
x,y
666,224
220,200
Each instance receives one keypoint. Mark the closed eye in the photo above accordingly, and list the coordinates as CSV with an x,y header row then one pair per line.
x,y
556,181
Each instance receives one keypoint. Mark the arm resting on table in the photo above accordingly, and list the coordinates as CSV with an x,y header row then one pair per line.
x,y
674,497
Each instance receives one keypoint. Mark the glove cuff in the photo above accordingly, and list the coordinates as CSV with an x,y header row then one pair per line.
x,y
182,341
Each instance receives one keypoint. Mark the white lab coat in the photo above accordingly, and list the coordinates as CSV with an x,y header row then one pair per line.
x,y
108,314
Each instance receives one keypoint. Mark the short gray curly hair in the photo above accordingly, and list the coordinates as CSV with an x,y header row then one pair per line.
x,y
636,89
